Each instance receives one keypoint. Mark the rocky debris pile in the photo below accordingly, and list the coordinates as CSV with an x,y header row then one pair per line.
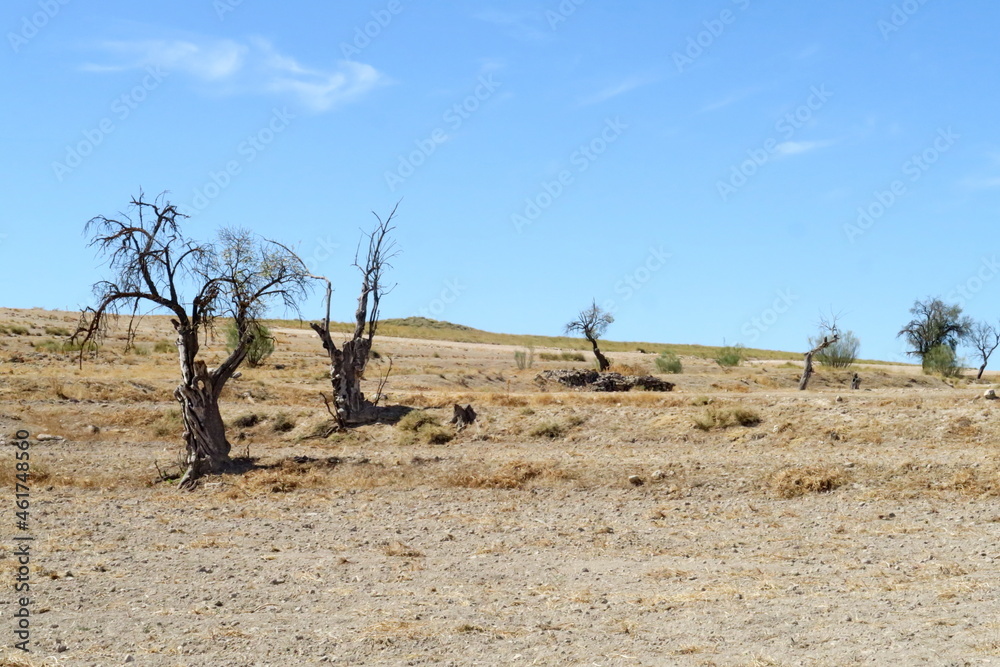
x,y
594,381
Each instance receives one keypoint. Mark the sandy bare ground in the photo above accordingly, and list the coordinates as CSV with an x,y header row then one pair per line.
x,y
846,528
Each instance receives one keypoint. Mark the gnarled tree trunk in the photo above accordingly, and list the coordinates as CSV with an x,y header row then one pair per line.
x,y
808,370
602,362
204,430
347,365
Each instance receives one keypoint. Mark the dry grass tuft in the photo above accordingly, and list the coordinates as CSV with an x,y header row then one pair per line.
x,y
514,475
798,481
724,417
629,369
290,475
420,426
548,430
975,483
399,549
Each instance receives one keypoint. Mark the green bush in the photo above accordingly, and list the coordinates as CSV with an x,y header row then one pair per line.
x,y
140,350
730,356
668,362
841,354
261,345
524,358
941,359
57,331
164,346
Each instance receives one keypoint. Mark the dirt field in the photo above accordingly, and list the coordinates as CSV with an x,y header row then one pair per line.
x,y
761,526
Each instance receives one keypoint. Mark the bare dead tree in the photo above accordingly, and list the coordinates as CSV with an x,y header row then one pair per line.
x,y
348,362
830,335
984,338
153,262
592,323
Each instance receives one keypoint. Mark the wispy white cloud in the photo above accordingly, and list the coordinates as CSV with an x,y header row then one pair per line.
x,y
253,66
620,88
787,148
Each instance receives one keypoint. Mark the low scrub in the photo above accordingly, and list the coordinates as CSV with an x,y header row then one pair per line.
x,y
730,356
668,362
725,417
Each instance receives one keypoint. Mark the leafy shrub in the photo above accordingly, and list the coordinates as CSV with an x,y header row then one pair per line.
x,y
57,331
724,417
18,330
841,354
668,362
730,356
524,358
941,359
140,350
261,345
164,346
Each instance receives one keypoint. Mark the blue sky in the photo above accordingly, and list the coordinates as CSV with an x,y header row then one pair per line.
x,y
727,170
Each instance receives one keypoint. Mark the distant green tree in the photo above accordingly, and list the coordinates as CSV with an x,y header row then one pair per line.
x,y
934,324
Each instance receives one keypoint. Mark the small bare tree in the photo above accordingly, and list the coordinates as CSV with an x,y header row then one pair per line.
x,y
153,262
348,363
593,323
828,336
984,338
